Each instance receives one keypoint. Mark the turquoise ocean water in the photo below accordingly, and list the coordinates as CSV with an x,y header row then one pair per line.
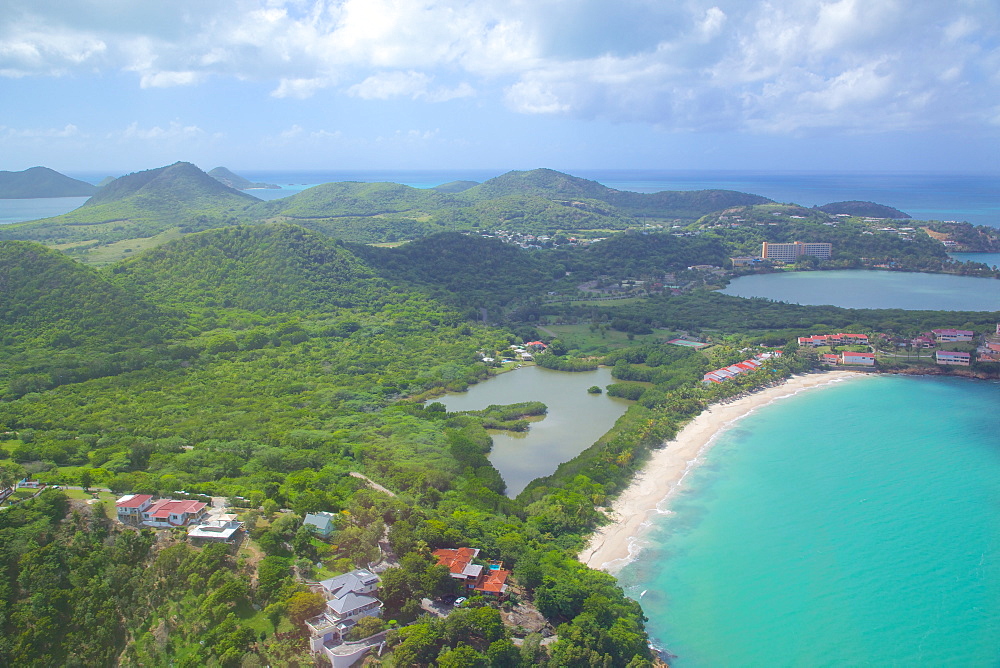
x,y
853,525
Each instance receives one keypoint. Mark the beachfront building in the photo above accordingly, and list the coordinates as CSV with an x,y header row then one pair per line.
x,y
857,359
952,335
952,357
733,370
779,252
745,261
840,339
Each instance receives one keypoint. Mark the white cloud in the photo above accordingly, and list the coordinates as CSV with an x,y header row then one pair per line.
x,y
299,88
386,85
173,131
167,79
67,131
776,65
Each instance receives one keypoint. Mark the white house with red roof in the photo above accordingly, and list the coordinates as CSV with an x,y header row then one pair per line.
x,y
857,359
131,506
172,513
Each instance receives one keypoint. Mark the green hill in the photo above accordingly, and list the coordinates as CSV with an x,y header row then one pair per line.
x,y
455,186
141,205
687,205
350,198
47,297
42,182
863,209
272,268
228,178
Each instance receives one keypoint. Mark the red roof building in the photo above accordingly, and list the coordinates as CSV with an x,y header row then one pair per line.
x,y
171,513
131,506
491,580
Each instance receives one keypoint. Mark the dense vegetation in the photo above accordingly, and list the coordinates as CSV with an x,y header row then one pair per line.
x,y
858,208
42,182
272,365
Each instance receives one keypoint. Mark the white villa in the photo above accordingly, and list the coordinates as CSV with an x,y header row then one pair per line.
x,y
348,600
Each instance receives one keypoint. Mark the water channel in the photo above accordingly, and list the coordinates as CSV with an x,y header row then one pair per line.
x,y
873,289
575,419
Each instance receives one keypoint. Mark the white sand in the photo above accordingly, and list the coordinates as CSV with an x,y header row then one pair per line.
x,y
614,545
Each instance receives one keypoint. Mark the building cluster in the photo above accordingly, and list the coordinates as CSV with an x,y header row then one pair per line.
x,y
733,370
990,350
840,339
482,580
145,510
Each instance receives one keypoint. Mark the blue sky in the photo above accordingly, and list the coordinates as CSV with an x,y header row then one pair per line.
x,y
785,85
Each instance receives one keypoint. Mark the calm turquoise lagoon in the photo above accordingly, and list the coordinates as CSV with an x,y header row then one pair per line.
x,y
854,525
873,289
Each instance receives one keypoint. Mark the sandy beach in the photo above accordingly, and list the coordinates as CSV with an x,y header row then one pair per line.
x,y
615,544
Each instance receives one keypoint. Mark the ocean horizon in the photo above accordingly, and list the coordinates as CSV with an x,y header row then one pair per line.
x,y
853,524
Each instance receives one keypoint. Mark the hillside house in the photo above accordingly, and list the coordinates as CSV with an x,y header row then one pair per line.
x,y
225,529
171,513
322,523
489,580
131,507
348,599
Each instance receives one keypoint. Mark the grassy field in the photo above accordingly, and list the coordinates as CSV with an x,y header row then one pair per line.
x,y
119,250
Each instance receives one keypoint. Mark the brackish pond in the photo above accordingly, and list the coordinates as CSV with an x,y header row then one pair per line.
x,y
574,422
873,289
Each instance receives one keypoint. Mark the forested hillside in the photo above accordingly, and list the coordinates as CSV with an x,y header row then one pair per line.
x,y
267,268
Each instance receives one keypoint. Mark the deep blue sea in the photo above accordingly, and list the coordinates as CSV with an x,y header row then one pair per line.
x,y
852,525
973,198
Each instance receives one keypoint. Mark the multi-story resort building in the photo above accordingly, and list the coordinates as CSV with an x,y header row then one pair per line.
x,y
781,252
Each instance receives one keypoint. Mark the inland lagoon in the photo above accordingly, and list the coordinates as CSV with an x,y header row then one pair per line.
x,y
575,419
872,289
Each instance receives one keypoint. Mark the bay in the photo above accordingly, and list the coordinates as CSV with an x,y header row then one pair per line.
x,y
20,210
858,524
872,289
989,259
575,419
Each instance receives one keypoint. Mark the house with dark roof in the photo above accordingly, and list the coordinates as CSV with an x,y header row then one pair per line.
x,y
349,597
321,523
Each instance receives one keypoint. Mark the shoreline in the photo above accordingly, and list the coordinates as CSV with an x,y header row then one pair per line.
x,y
616,544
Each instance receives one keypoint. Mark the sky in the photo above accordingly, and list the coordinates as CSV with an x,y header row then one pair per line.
x,y
775,85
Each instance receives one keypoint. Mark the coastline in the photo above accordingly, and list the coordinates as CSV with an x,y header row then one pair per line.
x,y
615,544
